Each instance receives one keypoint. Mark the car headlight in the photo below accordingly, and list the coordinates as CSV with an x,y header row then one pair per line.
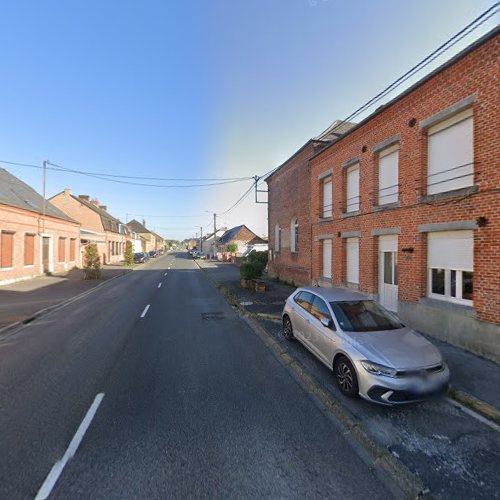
x,y
377,369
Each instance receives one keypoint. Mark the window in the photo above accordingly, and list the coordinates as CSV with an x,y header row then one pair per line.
x,y
304,299
29,249
450,264
72,245
450,154
388,186
62,249
352,188
327,258
294,235
352,258
277,238
7,248
320,310
327,197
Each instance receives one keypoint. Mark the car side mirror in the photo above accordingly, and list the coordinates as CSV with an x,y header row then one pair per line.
x,y
326,322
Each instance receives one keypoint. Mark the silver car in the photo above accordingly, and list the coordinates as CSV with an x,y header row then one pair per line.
x,y
370,352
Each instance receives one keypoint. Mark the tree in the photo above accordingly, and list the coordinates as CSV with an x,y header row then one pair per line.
x,y
232,248
129,254
91,263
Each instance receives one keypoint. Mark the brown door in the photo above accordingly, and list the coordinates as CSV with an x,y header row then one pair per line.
x,y
45,253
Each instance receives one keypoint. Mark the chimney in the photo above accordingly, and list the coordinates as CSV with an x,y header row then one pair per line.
x,y
104,207
85,197
67,192
95,202
144,222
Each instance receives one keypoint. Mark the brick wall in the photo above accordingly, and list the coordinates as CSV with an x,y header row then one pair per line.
x,y
21,222
475,73
290,197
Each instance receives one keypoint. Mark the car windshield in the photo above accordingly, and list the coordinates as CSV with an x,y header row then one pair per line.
x,y
364,316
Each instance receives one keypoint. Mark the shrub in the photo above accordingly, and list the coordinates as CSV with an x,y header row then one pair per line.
x,y
129,254
91,263
232,248
260,257
251,270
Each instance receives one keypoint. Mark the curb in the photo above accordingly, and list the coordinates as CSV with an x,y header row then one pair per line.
x,y
400,481
60,305
475,404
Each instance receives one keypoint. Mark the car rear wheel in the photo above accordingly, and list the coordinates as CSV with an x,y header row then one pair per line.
x,y
346,377
287,329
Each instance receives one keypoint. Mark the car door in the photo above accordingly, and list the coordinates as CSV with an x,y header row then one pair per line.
x,y
323,337
301,316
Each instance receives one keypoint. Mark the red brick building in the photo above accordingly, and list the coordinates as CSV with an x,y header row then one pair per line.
x,y
33,240
414,191
97,225
289,210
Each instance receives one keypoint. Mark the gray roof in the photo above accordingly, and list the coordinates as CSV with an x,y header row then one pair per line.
x,y
16,193
334,131
109,223
137,227
231,234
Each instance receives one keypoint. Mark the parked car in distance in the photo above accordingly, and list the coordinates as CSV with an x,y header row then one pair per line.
x,y
371,353
140,258
153,254
198,255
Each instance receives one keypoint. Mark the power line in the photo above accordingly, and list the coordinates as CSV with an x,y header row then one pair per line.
x,y
469,28
245,194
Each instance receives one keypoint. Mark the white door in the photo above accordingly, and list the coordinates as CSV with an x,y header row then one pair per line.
x,y
388,272
327,259
352,257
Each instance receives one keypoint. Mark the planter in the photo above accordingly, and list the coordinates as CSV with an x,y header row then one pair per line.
x,y
259,286
246,283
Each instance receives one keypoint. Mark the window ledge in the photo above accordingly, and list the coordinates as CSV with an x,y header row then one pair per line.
x,y
351,286
386,206
325,219
29,266
6,268
350,214
448,194
447,305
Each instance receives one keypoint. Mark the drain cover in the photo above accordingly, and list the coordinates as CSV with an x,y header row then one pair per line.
x,y
212,315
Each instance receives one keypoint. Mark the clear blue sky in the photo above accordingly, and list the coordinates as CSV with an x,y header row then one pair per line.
x,y
219,88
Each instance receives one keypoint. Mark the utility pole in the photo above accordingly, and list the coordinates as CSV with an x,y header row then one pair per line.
x,y
201,239
215,236
44,203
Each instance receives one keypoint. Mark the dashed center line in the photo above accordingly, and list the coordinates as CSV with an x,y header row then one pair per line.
x,y
145,311
164,274
159,284
56,471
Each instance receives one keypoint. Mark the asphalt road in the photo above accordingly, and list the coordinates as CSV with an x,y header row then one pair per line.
x,y
194,403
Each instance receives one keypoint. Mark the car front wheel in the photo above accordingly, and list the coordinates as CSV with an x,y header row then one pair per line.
x,y
287,328
346,377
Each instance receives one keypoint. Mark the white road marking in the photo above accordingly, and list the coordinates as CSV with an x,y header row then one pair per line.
x,y
56,471
473,414
164,274
168,268
145,311
159,284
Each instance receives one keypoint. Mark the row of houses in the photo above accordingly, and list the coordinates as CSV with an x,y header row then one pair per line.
x,y
39,236
405,205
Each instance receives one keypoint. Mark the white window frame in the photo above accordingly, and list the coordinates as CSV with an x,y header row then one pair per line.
x,y
390,193
438,181
352,193
294,229
327,184
277,238
459,270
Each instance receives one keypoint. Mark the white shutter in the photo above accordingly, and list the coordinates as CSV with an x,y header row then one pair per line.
x,y
327,258
352,202
451,250
352,252
388,176
277,237
327,197
450,155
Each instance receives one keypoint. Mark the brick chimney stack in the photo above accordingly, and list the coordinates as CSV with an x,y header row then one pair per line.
x,y
85,197
95,202
67,192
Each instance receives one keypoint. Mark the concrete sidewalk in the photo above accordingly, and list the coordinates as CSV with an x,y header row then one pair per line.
x,y
19,301
470,374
